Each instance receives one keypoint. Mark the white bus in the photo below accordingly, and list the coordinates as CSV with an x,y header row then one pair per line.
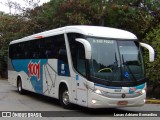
x,y
91,66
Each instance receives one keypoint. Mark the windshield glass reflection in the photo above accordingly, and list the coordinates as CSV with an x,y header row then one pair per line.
x,y
114,60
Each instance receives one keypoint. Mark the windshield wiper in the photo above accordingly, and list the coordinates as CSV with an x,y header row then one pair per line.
x,y
125,64
116,62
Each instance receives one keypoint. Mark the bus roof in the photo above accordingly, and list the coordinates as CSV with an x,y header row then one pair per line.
x,y
94,31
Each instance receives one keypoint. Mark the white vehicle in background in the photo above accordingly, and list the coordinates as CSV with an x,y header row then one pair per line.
x,y
95,67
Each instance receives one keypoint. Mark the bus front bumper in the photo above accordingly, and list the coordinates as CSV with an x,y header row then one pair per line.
x,y
98,101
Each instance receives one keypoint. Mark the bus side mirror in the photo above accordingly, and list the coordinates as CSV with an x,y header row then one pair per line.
x,y
87,47
151,51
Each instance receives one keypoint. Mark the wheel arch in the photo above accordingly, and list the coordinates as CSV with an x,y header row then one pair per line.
x,y
61,85
61,91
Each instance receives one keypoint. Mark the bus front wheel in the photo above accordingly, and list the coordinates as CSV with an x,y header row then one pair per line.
x,y
64,98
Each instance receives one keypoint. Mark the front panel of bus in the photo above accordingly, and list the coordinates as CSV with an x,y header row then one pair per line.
x,y
115,72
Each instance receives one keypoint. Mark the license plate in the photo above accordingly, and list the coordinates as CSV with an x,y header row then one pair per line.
x,y
122,102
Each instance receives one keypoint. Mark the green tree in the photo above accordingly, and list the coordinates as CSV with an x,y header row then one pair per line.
x,y
131,15
153,69
12,28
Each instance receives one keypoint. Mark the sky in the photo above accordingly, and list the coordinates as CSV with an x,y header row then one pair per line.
x,y
5,9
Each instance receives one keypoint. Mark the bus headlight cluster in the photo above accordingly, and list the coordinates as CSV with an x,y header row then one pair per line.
x,y
97,91
142,92
100,92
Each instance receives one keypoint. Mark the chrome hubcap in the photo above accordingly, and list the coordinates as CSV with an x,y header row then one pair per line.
x,y
65,97
19,86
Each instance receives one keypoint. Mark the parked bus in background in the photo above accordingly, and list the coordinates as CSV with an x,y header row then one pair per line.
x,y
91,66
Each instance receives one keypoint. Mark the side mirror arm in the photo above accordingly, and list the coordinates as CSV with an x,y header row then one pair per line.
x,y
151,51
87,47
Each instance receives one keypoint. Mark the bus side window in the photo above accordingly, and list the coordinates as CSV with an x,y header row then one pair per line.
x,y
48,47
11,51
77,53
62,55
60,52
81,60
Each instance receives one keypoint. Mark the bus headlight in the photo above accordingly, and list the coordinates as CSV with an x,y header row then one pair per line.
x,y
142,92
98,91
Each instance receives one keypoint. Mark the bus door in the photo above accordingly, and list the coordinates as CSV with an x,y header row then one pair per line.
x,y
80,77
79,94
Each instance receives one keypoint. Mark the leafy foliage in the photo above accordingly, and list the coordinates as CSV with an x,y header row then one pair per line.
x,y
153,69
153,38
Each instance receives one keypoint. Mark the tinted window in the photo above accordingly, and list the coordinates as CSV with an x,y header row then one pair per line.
x,y
45,48
77,53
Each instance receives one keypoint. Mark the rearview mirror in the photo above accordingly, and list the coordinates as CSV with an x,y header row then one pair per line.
x,y
151,51
87,47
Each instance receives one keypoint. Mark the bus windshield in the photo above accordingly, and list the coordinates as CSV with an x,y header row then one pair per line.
x,y
116,60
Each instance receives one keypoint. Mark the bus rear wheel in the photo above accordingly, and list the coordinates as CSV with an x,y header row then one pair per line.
x,y
64,98
19,86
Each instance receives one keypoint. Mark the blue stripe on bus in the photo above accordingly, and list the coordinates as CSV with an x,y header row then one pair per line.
x,y
133,89
140,87
110,87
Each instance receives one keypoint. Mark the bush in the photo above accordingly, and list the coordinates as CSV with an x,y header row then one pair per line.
x,y
153,69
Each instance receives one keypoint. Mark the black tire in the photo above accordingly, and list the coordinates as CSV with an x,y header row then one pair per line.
x,y
19,86
64,98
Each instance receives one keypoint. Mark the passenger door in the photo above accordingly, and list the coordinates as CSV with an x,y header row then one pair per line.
x,y
81,77
77,68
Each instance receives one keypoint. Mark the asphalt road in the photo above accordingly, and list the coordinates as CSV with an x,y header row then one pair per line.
x,y
12,101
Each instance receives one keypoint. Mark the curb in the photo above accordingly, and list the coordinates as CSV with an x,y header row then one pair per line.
x,y
151,101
